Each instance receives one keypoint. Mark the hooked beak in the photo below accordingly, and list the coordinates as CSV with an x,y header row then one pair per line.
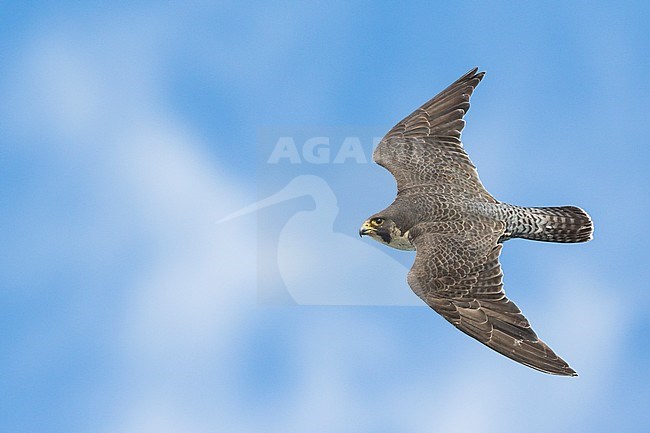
x,y
365,229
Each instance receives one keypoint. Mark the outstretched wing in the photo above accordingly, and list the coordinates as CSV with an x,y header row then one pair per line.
x,y
458,274
425,147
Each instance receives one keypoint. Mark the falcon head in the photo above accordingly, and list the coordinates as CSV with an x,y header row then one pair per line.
x,y
385,230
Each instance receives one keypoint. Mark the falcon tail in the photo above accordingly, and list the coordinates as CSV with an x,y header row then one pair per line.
x,y
553,224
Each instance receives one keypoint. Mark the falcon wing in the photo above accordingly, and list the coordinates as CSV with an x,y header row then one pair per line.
x,y
459,276
425,147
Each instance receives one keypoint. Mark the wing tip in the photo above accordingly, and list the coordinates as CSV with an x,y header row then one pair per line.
x,y
569,372
562,370
473,73
551,364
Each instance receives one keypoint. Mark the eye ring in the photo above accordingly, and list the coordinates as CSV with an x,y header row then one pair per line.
x,y
376,222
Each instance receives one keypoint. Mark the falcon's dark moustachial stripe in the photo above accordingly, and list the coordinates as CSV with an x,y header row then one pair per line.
x,y
457,228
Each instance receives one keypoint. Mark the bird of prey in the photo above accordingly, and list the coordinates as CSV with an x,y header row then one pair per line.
x,y
444,213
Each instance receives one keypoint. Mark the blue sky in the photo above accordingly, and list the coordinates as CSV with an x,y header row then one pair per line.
x,y
129,131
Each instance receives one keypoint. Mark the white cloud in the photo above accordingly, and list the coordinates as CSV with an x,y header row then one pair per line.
x,y
153,188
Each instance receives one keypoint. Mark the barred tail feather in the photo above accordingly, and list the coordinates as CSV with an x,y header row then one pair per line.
x,y
555,224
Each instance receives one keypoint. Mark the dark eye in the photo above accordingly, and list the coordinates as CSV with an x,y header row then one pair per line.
x,y
377,221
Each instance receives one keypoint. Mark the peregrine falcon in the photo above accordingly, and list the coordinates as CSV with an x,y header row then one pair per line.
x,y
444,213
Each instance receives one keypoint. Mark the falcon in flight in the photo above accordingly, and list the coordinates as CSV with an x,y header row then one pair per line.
x,y
444,213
